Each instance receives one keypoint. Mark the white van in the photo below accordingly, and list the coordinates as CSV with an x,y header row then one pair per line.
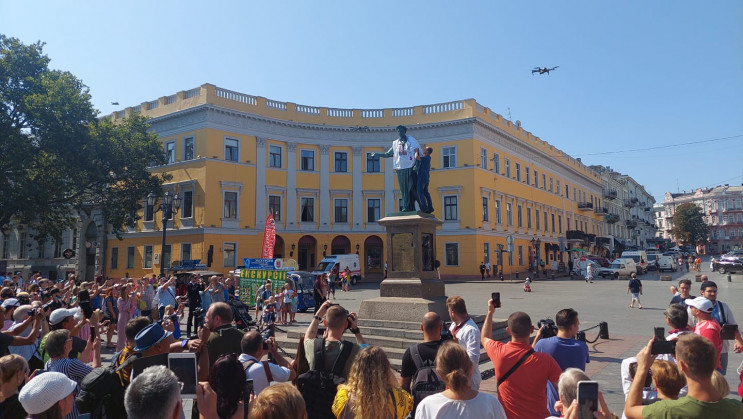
x,y
666,263
350,261
619,267
640,257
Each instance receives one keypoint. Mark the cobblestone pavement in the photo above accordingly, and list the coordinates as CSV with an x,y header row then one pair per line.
x,y
603,300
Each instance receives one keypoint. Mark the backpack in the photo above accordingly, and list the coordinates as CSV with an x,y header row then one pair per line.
x,y
425,381
101,392
318,387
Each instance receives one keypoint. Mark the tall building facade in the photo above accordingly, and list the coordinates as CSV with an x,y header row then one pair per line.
x,y
722,209
235,158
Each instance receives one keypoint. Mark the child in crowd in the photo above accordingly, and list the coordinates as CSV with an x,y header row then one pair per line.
x,y
527,284
269,311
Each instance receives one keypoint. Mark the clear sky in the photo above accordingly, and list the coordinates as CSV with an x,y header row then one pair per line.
x,y
633,74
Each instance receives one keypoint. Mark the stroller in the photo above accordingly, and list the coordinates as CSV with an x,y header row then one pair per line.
x,y
241,315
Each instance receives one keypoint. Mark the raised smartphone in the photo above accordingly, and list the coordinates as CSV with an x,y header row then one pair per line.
x,y
588,399
184,366
495,296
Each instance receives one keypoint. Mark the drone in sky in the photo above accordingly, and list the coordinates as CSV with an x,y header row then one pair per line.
x,y
542,70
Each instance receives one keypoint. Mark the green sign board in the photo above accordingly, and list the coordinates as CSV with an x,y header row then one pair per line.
x,y
252,279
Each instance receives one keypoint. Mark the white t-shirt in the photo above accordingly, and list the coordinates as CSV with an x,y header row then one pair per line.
x,y
483,406
280,374
404,155
469,338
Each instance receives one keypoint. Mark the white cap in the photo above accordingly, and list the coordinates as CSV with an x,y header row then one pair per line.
x,y
44,390
701,303
60,314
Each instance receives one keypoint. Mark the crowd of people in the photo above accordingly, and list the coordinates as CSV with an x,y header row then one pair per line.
x,y
52,336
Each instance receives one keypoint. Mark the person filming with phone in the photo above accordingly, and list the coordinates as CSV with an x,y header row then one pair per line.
x,y
254,347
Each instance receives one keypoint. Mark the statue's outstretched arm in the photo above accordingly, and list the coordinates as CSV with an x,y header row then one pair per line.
x,y
386,154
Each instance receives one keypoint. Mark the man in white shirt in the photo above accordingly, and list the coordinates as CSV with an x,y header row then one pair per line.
x,y
403,151
467,334
262,373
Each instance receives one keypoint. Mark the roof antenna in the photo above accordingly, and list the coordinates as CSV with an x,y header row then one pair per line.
x,y
508,111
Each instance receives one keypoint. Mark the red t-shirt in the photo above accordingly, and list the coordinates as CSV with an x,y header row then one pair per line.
x,y
523,394
710,329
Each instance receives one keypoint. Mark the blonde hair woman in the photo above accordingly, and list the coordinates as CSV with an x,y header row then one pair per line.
x,y
13,374
458,400
371,384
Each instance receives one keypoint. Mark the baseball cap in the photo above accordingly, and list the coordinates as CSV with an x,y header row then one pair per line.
x,y
60,314
11,302
44,390
700,303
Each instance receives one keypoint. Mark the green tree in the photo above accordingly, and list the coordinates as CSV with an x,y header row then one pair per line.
x,y
688,225
57,158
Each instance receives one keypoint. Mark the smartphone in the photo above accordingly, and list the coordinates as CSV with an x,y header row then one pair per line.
x,y
728,331
588,399
495,296
92,334
661,345
184,366
660,333
249,387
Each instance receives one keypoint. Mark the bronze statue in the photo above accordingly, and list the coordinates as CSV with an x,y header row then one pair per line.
x,y
405,149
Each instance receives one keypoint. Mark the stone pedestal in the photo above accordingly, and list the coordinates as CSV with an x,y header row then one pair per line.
x,y
412,287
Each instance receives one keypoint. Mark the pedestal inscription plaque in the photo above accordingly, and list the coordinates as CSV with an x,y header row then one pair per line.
x,y
403,257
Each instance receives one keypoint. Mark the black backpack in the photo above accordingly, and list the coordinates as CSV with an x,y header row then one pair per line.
x,y
425,381
101,392
318,387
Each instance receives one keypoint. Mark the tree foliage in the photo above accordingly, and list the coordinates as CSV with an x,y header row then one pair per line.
x,y
688,225
57,158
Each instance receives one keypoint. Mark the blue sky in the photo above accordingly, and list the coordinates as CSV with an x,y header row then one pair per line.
x,y
633,74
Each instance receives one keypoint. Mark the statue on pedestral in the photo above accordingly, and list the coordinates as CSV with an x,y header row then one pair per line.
x,y
404,151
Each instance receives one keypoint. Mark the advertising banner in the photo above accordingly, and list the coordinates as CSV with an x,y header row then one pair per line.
x,y
269,237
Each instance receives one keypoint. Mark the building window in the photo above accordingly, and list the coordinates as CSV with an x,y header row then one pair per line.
x,y
341,210
536,217
165,257
546,224
22,249
496,163
449,156
307,160
498,212
567,193
553,222
450,208
521,255
58,246
567,226
341,162
149,211
147,261
274,206
552,184
484,158
575,194
536,178
373,210
372,163
114,258
518,172
509,213
508,168
130,257
544,181
274,156
557,191
6,245
230,205
452,254
231,149
188,148
41,249
187,205
526,175
229,255
170,152
485,205
559,224
308,209
519,216
185,251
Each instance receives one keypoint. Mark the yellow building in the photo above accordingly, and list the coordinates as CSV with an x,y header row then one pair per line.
x,y
235,158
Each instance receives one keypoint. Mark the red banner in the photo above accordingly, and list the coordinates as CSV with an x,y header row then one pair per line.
x,y
269,237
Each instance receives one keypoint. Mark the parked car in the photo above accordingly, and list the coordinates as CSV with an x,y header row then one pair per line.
x,y
305,283
651,261
666,263
640,258
602,261
730,264
620,267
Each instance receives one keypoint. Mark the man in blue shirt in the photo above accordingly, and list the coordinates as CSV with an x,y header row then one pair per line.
x,y
424,167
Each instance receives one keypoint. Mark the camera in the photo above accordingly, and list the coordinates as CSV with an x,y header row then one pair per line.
x,y
446,333
198,314
549,329
268,333
581,336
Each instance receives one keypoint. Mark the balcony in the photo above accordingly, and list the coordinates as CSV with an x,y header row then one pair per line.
x,y
591,238
601,210
628,203
585,206
576,235
611,218
603,241
630,223
610,194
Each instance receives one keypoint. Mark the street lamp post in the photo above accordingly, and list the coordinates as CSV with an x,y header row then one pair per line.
x,y
170,205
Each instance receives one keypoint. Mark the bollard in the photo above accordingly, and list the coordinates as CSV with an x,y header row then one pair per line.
x,y
604,330
730,279
553,276
517,274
